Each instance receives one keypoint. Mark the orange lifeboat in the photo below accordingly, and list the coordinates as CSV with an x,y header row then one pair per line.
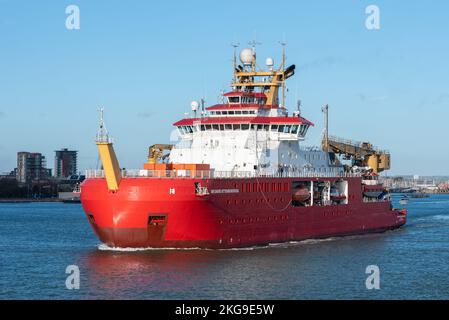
x,y
301,194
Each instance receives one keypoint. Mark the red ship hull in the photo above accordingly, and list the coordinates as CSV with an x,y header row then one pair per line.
x,y
151,212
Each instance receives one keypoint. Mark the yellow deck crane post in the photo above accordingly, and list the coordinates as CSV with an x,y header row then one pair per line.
x,y
108,158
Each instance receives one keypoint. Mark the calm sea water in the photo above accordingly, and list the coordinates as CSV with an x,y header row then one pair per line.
x,y
39,240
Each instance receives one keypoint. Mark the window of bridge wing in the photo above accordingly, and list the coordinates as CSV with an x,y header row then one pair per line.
x,y
274,127
303,129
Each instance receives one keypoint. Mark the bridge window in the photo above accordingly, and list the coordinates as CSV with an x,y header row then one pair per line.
x,y
245,126
274,127
287,129
208,127
294,129
228,126
215,127
234,100
221,126
236,127
238,112
244,112
230,112
281,128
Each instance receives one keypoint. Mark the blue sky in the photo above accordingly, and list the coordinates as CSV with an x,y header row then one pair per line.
x,y
145,62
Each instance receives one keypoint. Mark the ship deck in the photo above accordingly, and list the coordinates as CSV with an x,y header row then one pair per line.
x,y
213,174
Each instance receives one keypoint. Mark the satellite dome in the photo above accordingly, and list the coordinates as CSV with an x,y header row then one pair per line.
x,y
195,105
246,56
269,62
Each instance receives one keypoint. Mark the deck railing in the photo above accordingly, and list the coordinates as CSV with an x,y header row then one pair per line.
x,y
213,174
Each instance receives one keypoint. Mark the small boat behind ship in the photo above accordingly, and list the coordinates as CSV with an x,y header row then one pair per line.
x,y
403,201
76,197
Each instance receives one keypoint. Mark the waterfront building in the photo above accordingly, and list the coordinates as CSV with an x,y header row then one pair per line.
x,y
65,163
31,166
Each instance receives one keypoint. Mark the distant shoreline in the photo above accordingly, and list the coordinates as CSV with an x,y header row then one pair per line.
x,y
30,200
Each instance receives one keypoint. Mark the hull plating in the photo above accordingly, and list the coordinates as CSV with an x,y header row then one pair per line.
x,y
237,213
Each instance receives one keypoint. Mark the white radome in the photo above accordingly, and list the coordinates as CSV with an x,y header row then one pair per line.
x,y
195,105
269,62
246,56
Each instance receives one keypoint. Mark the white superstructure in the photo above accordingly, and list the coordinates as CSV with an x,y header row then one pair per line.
x,y
247,133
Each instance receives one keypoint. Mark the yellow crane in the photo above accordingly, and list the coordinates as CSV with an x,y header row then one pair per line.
x,y
156,152
362,153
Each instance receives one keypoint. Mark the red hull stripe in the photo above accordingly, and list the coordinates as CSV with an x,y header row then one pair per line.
x,y
245,94
239,120
240,106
